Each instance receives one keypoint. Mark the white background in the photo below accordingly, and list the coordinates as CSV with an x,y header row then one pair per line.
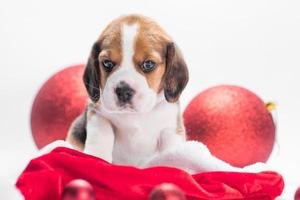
x,y
255,44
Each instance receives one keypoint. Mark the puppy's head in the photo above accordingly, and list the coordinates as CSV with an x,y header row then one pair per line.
x,y
131,64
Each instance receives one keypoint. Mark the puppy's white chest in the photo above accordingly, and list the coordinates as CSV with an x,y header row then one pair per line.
x,y
137,136
137,146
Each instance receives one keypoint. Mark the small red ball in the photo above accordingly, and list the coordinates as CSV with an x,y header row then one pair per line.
x,y
59,101
297,194
233,122
166,191
78,189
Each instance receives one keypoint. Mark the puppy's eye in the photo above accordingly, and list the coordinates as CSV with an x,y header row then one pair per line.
x,y
148,66
108,64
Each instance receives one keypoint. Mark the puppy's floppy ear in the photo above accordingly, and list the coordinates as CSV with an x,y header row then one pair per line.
x,y
176,75
91,76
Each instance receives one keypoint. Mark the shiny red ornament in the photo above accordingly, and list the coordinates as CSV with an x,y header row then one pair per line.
x,y
59,101
297,194
78,189
166,191
233,122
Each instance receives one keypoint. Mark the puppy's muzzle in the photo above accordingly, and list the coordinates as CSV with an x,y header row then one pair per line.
x,y
124,93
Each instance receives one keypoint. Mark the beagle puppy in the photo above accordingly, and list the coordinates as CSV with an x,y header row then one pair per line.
x,y
134,77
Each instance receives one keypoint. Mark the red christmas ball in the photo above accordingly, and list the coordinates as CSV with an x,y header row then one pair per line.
x,y
59,101
78,189
233,122
297,194
166,191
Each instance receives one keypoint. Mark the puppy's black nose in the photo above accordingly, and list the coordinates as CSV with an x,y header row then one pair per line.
x,y
124,92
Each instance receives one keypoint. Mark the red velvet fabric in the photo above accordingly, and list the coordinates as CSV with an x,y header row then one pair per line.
x,y
45,177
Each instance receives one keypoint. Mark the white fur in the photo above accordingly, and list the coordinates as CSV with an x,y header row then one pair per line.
x,y
100,137
136,137
48,148
141,136
195,157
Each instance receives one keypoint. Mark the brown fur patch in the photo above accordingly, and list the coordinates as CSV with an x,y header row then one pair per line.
x,y
176,76
151,44
111,48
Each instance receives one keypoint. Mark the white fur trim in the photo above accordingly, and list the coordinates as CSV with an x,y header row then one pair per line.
x,y
194,157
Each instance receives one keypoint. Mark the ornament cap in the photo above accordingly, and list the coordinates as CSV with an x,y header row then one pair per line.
x,y
271,106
